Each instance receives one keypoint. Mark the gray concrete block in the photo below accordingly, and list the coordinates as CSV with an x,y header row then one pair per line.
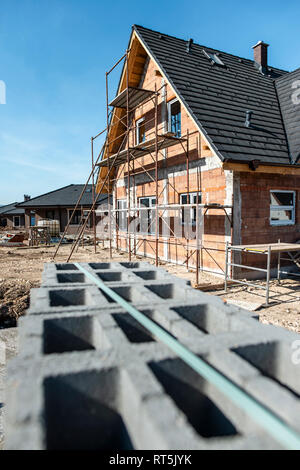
x,y
89,376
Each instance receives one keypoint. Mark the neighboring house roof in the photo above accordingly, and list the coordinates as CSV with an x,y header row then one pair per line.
x,y
11,209
66,196
217,97
15,211
7,207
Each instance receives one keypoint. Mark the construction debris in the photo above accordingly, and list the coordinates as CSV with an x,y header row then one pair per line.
x,y
12,239
14,300
251,306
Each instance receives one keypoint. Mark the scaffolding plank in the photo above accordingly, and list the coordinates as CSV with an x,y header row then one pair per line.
x,y
136,96
262,248
164,141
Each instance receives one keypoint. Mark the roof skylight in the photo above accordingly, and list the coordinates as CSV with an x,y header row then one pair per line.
x,y
213,58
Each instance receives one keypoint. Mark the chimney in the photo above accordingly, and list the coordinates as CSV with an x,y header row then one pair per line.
x,y
26,197
261,55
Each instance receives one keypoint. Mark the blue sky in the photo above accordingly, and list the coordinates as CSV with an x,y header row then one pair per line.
x,y
53,58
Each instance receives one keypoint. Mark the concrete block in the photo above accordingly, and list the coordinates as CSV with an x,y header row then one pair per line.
x,y
89,376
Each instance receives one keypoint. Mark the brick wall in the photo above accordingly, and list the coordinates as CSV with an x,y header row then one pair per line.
x,y
255,210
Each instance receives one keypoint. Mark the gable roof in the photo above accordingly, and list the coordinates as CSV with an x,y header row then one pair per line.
x,y
217,98
66,196
288,90
7,207
10,209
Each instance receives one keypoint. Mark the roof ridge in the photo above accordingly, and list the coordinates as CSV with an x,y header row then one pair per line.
x,y
288,74
10,204
45,194
207,47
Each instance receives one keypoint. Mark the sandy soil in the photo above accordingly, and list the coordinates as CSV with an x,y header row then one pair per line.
x,y
21,268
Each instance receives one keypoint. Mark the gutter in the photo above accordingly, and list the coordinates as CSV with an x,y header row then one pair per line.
x,y
254,164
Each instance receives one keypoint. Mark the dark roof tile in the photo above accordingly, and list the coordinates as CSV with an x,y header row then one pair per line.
x,y
66,196
218,97
11,209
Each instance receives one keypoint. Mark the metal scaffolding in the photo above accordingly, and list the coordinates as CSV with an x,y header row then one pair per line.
x,y
119,155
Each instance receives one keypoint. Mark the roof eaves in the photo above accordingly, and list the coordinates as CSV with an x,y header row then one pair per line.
x,y
2,208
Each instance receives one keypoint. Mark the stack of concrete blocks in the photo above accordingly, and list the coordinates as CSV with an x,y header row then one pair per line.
x,y
89,376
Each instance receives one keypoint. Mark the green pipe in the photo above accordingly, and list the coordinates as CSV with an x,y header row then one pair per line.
x,y
281,432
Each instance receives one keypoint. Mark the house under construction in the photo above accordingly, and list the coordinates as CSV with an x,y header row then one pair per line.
x,y
201,149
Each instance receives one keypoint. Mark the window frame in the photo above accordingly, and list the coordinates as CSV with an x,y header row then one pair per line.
x,y
53,213
70,211
19,218
284,208
137,135
169,105
149,231
122,227
192,218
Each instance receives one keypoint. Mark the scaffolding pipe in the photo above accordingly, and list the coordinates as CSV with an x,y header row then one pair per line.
x,y
93,194
128,159
77,204
156,180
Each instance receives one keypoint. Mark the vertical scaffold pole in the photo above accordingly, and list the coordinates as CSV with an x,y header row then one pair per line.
x,y
226,266
278,264
156,179
197,240
197,232
93,194
268,275
188,198
128,159
108,166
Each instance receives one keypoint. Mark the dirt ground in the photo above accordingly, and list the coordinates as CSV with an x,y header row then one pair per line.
x,y
21,268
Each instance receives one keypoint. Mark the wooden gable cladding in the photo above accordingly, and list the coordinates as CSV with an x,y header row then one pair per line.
x,y
104,186
136,61
145,72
